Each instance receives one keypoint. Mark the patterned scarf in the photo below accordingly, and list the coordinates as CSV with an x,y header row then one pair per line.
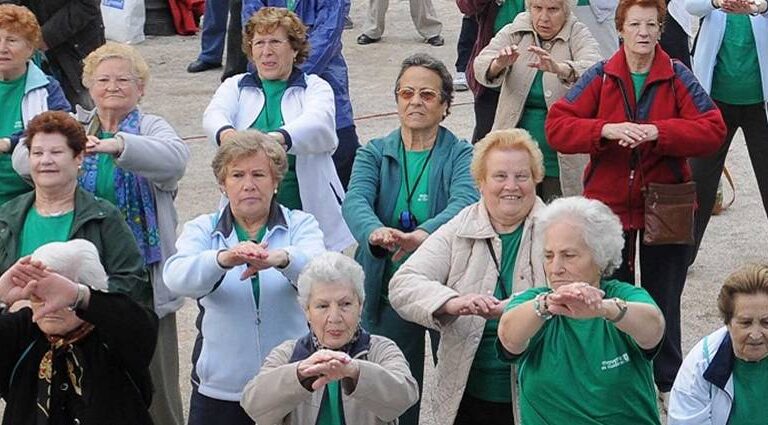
x,y
133,193
60,346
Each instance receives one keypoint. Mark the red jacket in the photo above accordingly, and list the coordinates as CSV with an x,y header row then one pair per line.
x,y
689,124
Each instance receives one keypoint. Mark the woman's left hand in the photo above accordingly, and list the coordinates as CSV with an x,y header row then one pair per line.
x,y
577,300
111,146
260,258
407,242
543,61
54,291
327,366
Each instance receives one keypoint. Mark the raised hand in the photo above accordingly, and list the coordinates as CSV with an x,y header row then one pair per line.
x,y
577,300
407,242
384,237
327,366
486,306
54,291
503,60
543,61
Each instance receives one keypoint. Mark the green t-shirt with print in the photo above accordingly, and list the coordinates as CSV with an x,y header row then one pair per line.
x,y
330,408
105,173
507,13
532,119
750,386
39,230
11,95
736,78
490,378
416,161
585,372
242,236
270,119
638,81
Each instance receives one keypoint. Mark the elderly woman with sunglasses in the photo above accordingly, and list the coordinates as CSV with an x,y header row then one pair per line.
x,y
404,186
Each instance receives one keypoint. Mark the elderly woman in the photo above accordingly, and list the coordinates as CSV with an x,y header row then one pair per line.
x,y
724,379
72,357
731,61
403,187
242,264
135,161
556,50
58,210
584,331
470,267
639,116
295,109
25,90
337,373
493,15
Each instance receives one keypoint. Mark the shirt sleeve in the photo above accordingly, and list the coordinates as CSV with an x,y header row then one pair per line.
x,y
516,300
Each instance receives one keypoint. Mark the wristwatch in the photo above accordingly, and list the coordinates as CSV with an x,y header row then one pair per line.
x,y
622,306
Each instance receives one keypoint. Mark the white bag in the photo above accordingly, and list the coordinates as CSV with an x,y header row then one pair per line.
x,y
123,20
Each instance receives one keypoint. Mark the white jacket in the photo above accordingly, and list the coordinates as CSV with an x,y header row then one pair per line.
x,y
310,132
703,390
711,37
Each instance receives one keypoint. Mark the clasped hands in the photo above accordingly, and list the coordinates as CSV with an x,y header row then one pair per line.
x,y
741,7
485,306
256,255
630,134
578,300
110,146
29,279
327,366
397,241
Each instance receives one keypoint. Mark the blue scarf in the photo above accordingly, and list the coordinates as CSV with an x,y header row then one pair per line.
x,y
133,192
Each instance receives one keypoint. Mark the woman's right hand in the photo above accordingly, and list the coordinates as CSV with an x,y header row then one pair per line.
x,y
627,134
15,279
384,237
503,60
327,366
486,306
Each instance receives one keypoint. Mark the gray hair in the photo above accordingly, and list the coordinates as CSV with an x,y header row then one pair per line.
x,y
77,259
331,268
568,6
600,228
435,65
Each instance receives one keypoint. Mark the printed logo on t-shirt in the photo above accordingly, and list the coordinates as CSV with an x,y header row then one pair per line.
x,y
614,363
423,197
18,125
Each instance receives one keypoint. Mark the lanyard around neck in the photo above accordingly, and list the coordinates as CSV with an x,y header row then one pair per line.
x,y
410,191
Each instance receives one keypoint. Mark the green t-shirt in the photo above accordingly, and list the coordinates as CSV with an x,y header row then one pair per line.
x,y
38,230
736,78
585,372
582,3
270,119
490,378
330,408
105,174
243,236
532,119
507,13
638,80
750,386
11,94
419,206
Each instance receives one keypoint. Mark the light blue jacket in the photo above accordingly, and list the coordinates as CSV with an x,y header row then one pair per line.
x,y
710,38
234,335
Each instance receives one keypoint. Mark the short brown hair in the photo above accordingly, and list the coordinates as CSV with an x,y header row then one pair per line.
x,y
624,5
514,139
248,143
750,279
57,122
112,50
267,19
20,20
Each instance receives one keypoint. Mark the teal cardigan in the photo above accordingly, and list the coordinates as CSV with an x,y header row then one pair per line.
x,y
372,195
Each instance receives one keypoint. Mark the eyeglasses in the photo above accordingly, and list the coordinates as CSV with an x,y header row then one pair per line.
x,y
426,95
272,43
121,81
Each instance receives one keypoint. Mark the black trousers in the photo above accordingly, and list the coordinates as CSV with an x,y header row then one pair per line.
x,y
707,170
236,62
674,41
344,156
473,411
485,113
663,271
467,37
204,410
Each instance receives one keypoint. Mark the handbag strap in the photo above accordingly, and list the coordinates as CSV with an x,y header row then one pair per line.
x,y
729,179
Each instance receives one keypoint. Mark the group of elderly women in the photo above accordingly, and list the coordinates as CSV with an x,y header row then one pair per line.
x,y
530,307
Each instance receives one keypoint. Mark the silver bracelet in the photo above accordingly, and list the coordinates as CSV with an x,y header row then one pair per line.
x,y
81,290
540,306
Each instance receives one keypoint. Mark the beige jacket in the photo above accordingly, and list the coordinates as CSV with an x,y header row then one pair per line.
x,y
573,45
453,261
384,390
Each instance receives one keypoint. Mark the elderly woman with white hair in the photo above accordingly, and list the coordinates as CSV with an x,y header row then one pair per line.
x,y
71,357
337,373
584,344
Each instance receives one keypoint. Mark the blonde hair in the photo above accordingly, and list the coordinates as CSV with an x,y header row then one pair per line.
x,y
514,139
750,279
112,50
267,20
76,259
248,143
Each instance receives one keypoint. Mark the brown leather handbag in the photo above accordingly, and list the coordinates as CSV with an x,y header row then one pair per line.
x,y
669,212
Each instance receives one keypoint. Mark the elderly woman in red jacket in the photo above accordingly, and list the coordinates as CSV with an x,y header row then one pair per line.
x,y
640,115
